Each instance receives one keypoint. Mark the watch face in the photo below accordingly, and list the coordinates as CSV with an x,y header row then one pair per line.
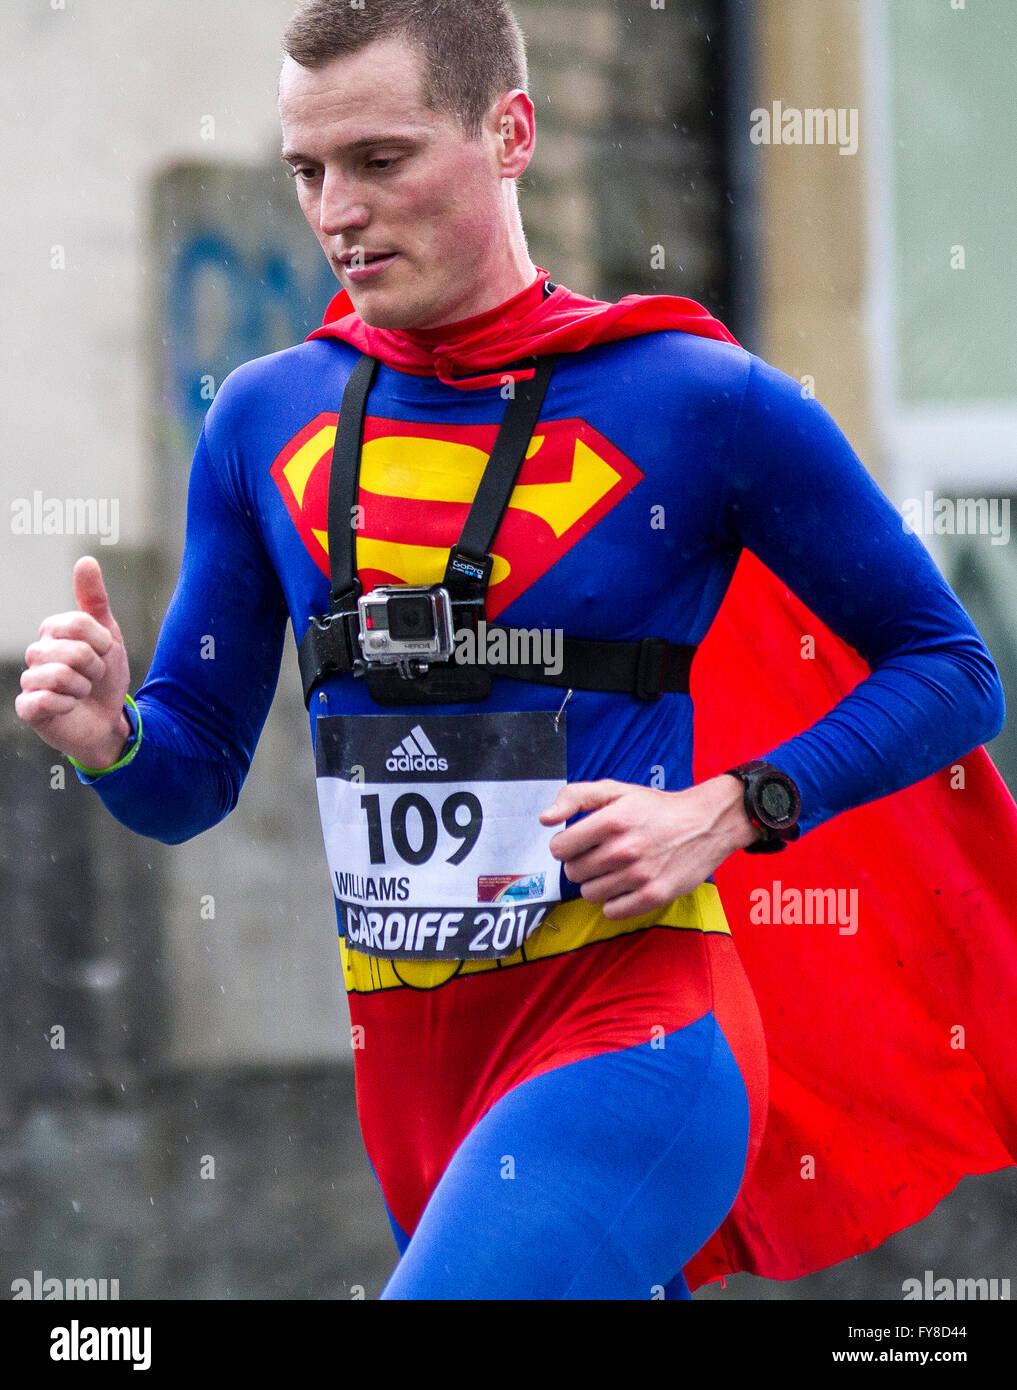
x,y
776,802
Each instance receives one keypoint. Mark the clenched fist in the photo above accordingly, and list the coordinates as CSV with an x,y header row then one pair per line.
x,y
640,849
76,677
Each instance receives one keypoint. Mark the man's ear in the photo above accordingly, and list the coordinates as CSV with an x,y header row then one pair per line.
x,y
514,123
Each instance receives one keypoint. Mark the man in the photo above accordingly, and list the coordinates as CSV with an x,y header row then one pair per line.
x,y
561,1075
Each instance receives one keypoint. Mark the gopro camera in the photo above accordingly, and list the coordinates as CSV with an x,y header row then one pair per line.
x,y
406,627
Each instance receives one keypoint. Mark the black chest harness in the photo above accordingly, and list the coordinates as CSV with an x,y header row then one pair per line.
x,y
331,645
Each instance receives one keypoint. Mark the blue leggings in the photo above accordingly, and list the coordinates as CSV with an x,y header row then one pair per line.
x,y
598,1179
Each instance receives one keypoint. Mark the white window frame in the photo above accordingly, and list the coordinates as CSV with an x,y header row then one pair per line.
x,y
966,449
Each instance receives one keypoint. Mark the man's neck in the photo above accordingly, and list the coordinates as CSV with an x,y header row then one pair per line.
x,y
515,273
516,304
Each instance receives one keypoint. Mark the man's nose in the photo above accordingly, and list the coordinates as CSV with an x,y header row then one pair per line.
x,y
342,208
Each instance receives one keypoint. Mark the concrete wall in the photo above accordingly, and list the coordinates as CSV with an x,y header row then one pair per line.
x,y
812,212
106,96
102,93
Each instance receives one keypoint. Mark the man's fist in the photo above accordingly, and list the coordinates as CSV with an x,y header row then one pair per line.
x,y
640,848
76,677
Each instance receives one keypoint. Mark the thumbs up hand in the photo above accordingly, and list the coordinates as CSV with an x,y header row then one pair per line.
x,y
76,677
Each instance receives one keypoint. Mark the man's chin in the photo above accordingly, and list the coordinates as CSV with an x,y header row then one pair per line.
x,y
377,314
385,308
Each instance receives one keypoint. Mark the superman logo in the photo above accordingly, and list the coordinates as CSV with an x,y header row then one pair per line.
x,y
417,483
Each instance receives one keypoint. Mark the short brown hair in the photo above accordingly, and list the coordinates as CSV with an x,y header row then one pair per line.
x,y
473,49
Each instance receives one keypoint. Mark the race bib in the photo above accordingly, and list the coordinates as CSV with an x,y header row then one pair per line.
x,y
431,829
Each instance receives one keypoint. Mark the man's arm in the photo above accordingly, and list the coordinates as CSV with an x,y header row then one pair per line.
x,y
795,494
798,497
213,676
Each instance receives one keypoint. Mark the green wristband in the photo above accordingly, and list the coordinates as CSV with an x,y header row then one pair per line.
x,y
134,743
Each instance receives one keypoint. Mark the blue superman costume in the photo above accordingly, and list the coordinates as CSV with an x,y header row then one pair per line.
x,y
577,1120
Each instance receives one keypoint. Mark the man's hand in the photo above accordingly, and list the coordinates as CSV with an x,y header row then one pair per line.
x,y
76,677
640,849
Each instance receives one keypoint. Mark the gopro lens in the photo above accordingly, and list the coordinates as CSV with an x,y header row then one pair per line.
x,y
410,619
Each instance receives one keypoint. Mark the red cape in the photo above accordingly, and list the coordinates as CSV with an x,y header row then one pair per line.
x,y
527,325
892,1067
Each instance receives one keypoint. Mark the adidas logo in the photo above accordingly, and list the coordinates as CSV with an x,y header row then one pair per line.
x,y
416,753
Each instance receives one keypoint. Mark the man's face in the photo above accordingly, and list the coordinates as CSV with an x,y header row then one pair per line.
x,y
409,211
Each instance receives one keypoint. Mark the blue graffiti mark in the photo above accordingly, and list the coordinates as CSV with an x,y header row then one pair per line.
x,y
259,308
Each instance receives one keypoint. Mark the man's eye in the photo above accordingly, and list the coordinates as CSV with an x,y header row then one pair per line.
x,y
382,163
302,175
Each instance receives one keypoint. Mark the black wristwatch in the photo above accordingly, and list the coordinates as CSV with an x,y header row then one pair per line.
x,y
772,804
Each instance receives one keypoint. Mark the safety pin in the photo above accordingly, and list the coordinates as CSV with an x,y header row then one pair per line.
x,y
561,711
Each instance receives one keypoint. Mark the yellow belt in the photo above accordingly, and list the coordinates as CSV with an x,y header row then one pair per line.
x,y
566,927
